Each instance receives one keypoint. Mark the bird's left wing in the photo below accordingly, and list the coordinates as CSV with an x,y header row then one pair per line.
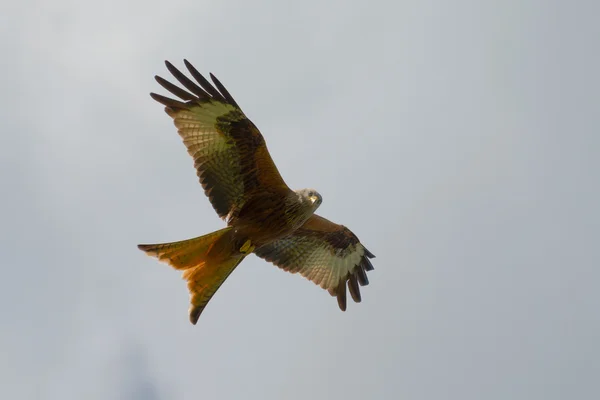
x,y
327,254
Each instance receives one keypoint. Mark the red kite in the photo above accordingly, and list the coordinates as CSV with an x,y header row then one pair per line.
x,y
264,216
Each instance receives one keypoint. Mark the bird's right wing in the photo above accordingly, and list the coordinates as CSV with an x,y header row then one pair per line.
x,y
229,152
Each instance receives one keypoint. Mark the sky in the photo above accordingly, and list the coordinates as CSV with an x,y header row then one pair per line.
x,y
458,140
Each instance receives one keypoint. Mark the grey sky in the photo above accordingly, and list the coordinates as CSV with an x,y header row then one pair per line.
x,y
458,140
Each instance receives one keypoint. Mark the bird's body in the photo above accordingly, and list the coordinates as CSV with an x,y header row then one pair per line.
x,y
264,216
269,217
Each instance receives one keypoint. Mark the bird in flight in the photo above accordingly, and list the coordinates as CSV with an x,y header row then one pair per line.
x,y
264,216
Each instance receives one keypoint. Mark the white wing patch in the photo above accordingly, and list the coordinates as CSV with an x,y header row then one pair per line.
x,y
197,127
326,268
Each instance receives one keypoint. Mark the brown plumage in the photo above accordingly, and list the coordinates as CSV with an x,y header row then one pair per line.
x,y
245,188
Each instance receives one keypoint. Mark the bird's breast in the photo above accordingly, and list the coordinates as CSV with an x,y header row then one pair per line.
x,y
268,220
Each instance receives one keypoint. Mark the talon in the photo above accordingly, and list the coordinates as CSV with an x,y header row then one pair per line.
x,y
247,247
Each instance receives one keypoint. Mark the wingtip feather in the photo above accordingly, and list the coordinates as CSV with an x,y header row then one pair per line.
x,y
367,264
205,84
341,295
368,253
174,104
354,289
177,91
228,97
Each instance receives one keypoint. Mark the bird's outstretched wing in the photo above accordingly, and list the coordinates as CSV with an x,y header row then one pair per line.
x,y
326,253
229,152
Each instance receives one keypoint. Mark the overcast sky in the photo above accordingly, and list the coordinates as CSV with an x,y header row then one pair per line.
x,y
459,140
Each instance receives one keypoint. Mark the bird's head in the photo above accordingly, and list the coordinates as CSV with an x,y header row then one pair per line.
x,y
310,197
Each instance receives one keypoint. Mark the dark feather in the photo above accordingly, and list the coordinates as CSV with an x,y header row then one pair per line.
x,y
195,315
367,264
203,82
224,91
354,290
174,104
368,253
177,91
361,275
187,82
341,295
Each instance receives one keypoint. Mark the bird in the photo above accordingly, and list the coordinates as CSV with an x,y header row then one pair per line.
x,y
263,215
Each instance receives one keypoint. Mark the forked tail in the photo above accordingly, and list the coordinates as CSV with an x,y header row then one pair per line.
x,y
206,262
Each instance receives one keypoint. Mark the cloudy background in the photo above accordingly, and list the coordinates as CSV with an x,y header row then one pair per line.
x,y
459,140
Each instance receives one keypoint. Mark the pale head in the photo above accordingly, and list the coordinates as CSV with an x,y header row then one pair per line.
x,y
310,197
